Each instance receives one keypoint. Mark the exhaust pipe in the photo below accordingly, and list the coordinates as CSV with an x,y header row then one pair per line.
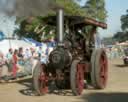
x,y
60,26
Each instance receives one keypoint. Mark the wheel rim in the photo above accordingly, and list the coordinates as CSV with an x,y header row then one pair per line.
x,y
42,79
103,70
80,78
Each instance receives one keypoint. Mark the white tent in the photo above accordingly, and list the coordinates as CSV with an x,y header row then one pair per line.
x,y
14,44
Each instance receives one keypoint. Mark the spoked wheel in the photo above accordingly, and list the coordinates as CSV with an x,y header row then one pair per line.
x,y
40,79
77,77
99,69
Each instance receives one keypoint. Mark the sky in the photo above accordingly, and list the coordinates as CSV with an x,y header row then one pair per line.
x,y
7,24
115,9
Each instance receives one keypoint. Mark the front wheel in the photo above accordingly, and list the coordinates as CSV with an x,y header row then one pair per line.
x,y
99,69
40,79
77,77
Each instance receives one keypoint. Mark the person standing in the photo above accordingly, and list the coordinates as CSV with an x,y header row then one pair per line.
x,y
15,60
1,63
20,56
27,54
39,51
9,59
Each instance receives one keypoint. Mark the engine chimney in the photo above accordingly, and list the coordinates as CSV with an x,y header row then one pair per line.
x,y
60,26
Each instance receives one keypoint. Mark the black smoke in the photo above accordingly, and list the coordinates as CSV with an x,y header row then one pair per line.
x,y
26,7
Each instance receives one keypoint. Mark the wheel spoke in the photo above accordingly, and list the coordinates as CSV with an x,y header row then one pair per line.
x,y
99,72
101,67
103,70
80,78
42,82
77,77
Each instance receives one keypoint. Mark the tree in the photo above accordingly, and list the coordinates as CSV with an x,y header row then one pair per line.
x,y
70,7
35,27
121,36
31,27
96,9
109,41
124,21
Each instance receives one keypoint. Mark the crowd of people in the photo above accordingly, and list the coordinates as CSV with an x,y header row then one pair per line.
x,y
16,58
115,52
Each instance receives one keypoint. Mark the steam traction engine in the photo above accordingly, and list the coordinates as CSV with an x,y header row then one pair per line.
x,y
75,60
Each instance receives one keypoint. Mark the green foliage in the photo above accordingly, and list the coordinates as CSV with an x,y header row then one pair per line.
x,y
124,21
35,27
96,9
109,41
70,7
121,36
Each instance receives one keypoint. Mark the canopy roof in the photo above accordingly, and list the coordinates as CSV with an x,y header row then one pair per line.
x,y
78,21
36,43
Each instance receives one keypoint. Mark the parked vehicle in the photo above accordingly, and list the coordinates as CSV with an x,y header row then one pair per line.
x,y
125,59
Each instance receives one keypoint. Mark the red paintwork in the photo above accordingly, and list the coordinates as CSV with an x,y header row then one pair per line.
x,y
80,78
43,82
103,70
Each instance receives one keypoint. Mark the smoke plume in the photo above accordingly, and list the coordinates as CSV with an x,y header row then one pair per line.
x,y
26,7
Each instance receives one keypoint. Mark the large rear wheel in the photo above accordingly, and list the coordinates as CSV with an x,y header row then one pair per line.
x,y
99,69
77,77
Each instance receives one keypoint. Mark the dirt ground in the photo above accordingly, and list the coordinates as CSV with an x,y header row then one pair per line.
x,y
116,91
